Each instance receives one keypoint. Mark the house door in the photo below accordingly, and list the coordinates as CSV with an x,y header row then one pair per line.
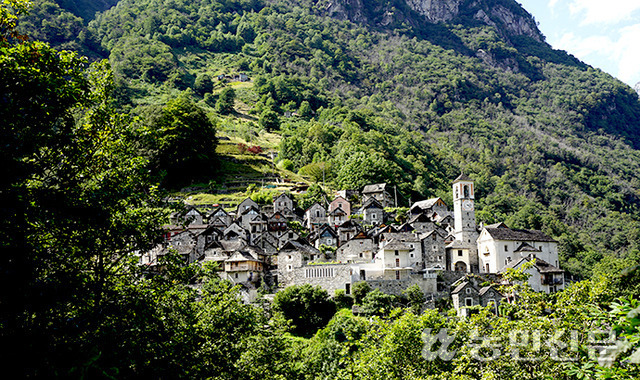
x,y
460,267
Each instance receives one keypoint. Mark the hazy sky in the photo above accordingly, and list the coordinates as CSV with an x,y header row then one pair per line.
x,y
602,33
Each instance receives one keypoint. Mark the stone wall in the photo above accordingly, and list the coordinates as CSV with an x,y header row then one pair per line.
x,y
329,277
396,287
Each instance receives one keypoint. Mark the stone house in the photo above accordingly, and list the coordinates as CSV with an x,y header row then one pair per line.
x,y
235,232
433,250
324,235
315,216
267,241
294,254
360,249
246,204
247,215
242,266
347,230
340,202
379,192
277,222
422,223
373,212
464,296
491,296
219,213
285,236
211,234
543,277
409,239
283,204
336,217
394,260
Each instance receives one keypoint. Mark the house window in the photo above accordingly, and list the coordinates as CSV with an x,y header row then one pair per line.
x,y
360,254
506,248
317,213
396,251
373,216
397,263
397,275
290,235
459,252
289,257
236,275
411,255
468,301
468,290
487,268
289,268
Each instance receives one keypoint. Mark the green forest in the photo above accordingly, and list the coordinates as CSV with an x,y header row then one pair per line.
x,y
106,111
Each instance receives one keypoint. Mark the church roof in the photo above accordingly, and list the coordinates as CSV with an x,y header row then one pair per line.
x,y
462,177
521,235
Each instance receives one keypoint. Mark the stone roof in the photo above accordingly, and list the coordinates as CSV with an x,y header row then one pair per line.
x,y
427,204
503,233
462,177
401,236
486,289
526,247
300,245
496,225
541,265
461,286
427,234
338,211
241,256
349,223
545,267
232,245
398,245
376,188
422,218
314,205
372,203
459,244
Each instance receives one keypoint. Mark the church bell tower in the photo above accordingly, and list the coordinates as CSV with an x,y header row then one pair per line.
x,y
464,216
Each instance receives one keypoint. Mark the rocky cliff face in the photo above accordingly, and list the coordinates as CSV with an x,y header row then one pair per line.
x,y
436,10
507,16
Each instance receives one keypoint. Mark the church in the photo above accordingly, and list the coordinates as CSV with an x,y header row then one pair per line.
x,y
495,248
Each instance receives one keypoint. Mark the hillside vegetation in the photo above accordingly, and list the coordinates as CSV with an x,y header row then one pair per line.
x,y
378,93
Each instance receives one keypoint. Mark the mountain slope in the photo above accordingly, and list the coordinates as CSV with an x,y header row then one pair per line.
x,y
409,92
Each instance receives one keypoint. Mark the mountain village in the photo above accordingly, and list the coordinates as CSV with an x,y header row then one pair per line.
x,y
443,252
